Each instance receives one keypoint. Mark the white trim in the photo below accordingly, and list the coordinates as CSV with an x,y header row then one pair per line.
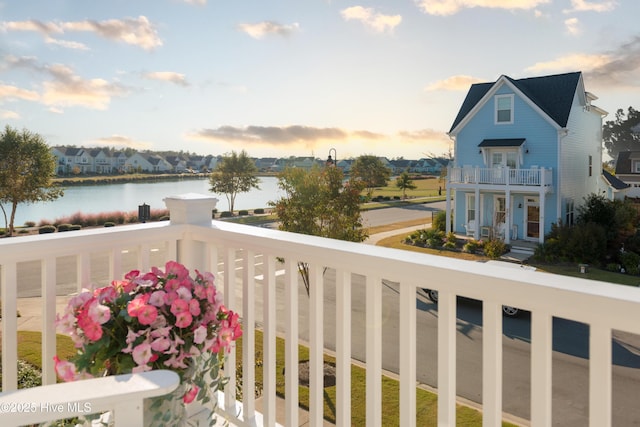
x,y
496,101
492,92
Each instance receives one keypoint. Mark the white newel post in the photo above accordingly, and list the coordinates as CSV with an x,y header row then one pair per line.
x,y
196,209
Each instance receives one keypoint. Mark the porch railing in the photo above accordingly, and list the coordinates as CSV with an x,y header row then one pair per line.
x,y
501,176
260,266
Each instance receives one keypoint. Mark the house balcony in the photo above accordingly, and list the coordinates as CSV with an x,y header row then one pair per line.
x,y
536,178
354,289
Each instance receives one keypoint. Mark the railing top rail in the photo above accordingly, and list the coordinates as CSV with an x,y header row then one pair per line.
x,y
27,248
571,297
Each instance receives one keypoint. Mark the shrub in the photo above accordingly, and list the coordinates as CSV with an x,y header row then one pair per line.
x,y
47,229
75,227
164,218
28,375
631,262
30,224
226,214
612,266
494,248
258,211
440,221
64,227
472,246
109,224
243,212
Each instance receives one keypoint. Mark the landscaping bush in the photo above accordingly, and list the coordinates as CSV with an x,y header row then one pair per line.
x,y
64,227
472,246
440,221
630,262
47,229
450,241
226,214
109,224
258,211
494,248
427,237
243,212
29,224
75,227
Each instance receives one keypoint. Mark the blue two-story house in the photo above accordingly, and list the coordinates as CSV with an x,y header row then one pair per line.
x,y
527,153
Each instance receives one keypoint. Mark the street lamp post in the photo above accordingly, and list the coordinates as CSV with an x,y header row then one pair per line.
x,y
331,161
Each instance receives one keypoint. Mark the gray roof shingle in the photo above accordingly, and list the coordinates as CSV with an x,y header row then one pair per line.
x,y
552,94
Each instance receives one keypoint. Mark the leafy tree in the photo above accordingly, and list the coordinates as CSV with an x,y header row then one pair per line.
x,y
235,173
26,171
371,171
318,202
404,182
623,133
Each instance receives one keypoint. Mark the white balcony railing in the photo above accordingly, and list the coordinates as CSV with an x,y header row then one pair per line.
x,y
536,177
269,294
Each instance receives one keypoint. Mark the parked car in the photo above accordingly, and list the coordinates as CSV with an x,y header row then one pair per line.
x,y
507,310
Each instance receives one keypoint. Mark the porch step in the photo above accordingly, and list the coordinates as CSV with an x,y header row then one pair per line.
x,y
522,250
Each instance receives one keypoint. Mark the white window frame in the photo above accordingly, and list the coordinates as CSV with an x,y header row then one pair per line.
x,y
471,207
498,98
636,166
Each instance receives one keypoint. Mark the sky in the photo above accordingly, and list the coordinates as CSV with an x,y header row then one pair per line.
x,y
282,78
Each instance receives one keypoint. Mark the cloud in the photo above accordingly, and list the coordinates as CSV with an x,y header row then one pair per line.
x,y
9,115
66,88
586,6
167,76
264,28
120,141
66,44
454,83
425,135
13,92
269,134
197,2
573,26
137,32
369,17
618,68
451,7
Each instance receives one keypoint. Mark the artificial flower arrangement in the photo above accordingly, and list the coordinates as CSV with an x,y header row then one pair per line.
x,y
158,320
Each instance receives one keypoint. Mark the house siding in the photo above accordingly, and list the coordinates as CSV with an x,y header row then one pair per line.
x,y
584,133
541,140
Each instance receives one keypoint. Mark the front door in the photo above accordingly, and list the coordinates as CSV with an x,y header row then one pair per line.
x,y
532,220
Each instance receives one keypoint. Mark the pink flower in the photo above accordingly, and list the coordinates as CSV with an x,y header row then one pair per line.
x,y
98,313
183,319
161,344
190,395
142,353
200,334
179,306
157,298
66,371
194,307
184,293
106,294
137,304
147,314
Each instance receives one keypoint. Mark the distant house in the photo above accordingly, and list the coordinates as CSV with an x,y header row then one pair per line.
x,y
628,171
528,151
615,188
143,162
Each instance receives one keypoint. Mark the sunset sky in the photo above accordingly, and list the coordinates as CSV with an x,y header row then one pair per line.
x,y
293,77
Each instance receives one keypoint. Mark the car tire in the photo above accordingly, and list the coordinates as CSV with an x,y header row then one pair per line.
x,y
509,311
432,295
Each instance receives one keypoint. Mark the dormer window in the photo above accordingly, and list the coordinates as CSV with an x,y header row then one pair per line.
x,y
504,109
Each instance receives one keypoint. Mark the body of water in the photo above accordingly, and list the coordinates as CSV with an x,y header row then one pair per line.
x,y
127,197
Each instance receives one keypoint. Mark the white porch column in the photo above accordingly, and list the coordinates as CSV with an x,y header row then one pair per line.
x,y
541,203
447,200
196,209
476,232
